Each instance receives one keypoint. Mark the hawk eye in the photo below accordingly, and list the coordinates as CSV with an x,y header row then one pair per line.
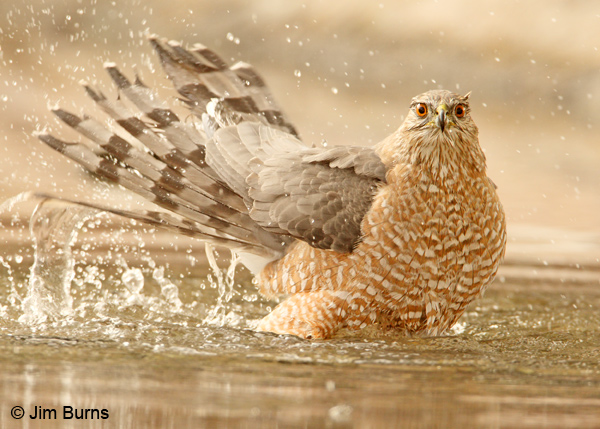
x,y
459,111
421,109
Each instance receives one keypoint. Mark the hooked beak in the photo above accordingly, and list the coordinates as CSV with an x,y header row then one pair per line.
x,y
442,120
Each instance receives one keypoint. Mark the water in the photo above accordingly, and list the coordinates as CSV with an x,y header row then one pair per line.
x,y
140,325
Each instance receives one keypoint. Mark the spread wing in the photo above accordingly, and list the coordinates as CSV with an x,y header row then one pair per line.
x,y
316,195
319,195
238,175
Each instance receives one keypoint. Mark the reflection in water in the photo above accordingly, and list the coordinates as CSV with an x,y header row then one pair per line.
x,y
160,344
177,390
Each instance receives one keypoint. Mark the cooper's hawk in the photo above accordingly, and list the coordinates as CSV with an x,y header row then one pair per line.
x,y
403,235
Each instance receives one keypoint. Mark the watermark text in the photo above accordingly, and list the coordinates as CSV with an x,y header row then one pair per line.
x,y
65,412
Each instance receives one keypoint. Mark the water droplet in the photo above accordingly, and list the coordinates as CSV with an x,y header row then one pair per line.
x,y
133,279
232,38
340,413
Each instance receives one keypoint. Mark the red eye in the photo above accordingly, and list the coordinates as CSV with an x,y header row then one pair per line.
x,y
459,111
421,109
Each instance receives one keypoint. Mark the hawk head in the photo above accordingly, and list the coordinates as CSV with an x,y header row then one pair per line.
x,y
438,135
440,112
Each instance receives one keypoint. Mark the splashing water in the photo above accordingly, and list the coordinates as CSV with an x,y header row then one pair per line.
x,y
219,315
168,289
58,291
133,279
54,226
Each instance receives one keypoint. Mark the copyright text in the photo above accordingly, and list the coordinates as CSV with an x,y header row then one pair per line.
x,y
64,413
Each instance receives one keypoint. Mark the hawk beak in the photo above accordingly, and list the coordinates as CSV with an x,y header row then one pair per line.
x,y
442,120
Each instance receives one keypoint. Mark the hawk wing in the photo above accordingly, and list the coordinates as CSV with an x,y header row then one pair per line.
x,y
240,176
312,194
319,196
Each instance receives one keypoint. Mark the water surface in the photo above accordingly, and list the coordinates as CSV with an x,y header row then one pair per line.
x,y
140,326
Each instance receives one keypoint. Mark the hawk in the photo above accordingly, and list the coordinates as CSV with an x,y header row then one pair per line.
x,y
402,235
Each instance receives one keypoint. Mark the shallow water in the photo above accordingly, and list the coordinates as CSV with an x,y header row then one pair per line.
x,y
145,332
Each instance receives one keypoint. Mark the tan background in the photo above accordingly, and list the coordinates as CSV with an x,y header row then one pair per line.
x,y
344,72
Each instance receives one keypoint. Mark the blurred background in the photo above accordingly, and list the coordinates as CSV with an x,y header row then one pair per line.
x,y
345,72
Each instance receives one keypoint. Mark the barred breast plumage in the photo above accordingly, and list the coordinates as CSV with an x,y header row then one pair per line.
x,y
403,235
429,248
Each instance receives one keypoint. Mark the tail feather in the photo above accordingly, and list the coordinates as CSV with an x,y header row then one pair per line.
x,y
170,221
164,177
170,167
159,195
183,136
202,77
198,172
259,90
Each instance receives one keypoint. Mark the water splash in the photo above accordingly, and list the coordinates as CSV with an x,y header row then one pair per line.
x,y
168,289
16,234
14,299
133,279
219,314
58,289
54,226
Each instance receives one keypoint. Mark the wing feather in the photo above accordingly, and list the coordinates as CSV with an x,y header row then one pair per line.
x,y
317,195
241,174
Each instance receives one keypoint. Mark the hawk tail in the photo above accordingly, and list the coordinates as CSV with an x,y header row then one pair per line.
x,y
164,159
